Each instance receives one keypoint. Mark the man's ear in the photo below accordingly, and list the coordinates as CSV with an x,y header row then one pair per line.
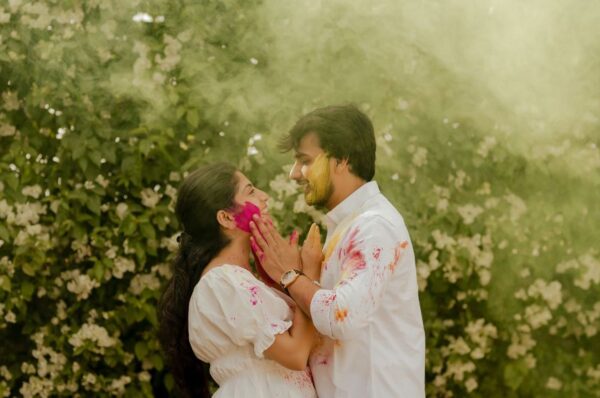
x,y
225,219
341,166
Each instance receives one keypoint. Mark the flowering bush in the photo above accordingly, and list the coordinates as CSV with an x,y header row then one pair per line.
x,y
105,105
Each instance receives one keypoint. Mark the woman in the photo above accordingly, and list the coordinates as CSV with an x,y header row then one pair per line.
x,y
216,310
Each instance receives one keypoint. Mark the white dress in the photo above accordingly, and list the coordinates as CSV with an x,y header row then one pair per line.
x,y
233,318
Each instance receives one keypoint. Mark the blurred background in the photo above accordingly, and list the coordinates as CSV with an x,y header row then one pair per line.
x,y
488,126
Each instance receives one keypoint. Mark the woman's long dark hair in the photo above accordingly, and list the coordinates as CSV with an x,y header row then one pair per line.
x,y
201,195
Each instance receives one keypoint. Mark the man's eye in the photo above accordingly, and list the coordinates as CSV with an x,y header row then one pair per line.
x,y
252,191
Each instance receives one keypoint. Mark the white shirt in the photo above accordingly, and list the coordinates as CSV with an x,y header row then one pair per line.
x,y
368,309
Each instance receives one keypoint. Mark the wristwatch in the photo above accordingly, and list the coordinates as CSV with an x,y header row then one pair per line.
x,y
289,277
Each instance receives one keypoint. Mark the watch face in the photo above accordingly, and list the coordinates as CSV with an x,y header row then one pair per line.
x,y
288,277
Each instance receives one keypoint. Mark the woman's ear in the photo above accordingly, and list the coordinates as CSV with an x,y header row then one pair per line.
x,y
225,219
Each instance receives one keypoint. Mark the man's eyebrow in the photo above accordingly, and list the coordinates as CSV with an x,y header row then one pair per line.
x,y
301,155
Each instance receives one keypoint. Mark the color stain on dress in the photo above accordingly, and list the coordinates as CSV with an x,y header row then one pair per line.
x,y
377,253
253,294
398,254
341,314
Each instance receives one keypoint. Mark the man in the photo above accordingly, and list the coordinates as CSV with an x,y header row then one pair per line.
x,y
366,306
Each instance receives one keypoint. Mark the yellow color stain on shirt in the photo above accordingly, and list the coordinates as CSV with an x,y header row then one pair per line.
x,y
341,314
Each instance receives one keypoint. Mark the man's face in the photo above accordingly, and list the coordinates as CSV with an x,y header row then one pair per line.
x,y
312,170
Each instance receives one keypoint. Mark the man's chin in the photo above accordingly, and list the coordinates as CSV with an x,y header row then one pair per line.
x,y
312,201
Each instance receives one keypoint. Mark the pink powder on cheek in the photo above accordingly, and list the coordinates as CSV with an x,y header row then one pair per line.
x,y
244,216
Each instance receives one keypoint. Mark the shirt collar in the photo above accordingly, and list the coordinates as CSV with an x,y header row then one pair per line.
x,y
353,202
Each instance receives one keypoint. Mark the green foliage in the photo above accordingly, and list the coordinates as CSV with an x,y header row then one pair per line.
x,y
102,111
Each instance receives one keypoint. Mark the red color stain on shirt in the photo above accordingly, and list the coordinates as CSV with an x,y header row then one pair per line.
x,y
376,253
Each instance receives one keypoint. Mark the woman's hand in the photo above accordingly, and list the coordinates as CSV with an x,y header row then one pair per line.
x,y
275,253
312,253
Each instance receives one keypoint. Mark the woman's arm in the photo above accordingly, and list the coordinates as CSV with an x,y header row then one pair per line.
x,y
292,348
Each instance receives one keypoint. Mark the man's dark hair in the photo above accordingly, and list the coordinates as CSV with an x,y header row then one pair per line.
x,y
344,133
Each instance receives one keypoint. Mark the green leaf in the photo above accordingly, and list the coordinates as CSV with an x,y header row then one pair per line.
x,y
192,118
141,350
98,270
514,374
128,225
147,230
5,283
93,203
27,289
157,361
169,381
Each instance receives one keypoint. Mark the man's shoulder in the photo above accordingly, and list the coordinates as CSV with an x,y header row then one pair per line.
x,y
380,210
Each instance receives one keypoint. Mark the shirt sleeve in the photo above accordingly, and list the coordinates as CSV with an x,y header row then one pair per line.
x,y
248,310
368,256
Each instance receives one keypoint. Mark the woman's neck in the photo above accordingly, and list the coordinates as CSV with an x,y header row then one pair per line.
x,y
237,252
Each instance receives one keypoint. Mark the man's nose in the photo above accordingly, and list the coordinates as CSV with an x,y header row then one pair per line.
x,y
295,172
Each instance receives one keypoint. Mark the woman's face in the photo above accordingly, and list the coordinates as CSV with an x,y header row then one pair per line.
x,y
246,192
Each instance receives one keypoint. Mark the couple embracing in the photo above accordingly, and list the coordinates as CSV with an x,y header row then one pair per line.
x,y
342,320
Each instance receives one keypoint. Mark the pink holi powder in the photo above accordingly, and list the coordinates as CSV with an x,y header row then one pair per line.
x,y
244,216
242,221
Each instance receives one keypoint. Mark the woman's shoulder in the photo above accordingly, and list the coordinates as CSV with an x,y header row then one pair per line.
x,y
234,282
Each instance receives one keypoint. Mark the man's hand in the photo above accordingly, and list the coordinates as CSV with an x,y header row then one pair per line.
x,y
275,253
312,253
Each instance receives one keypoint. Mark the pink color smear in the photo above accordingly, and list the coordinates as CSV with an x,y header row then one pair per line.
x,y
242,221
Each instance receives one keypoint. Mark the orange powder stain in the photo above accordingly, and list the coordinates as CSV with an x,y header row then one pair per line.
x,y
397,254
341,314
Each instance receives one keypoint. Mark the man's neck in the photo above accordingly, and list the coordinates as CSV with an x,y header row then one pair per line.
x,y
342,191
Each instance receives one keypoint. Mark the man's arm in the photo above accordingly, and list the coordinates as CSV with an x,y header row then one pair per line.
x,y
369,256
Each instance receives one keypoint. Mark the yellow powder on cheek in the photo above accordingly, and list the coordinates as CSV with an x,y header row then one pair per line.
x,y
318,178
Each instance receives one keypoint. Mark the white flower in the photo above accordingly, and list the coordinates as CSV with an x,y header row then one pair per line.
x,y
88,380
122,210
485,146
122,265
144,376
517,206
11,100
33,190
442,240
79,284
27,213
117,386
6,210
549,292
420,157
537,316
469,212
520,344
143,281
103,182
442,205
36,387
171,243
471,384
94,333
149,197
283,186
174,176
553,384
6,130
5,373
10,317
